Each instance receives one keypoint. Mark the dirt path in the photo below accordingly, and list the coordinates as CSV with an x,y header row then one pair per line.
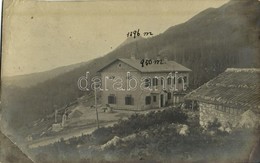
x,y
77,133
109,119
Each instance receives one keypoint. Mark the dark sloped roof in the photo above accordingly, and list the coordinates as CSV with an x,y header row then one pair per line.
x,y
234,87
168,66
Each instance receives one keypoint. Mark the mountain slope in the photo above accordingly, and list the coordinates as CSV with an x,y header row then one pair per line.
x,y
208,43
130,40
29,80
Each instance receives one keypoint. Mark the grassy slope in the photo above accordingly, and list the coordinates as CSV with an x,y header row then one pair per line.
x,y
156,137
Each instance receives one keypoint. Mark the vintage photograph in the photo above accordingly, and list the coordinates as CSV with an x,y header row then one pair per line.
x,y
130,81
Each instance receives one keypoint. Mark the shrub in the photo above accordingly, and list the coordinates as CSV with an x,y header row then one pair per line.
x,y
102,135
138,122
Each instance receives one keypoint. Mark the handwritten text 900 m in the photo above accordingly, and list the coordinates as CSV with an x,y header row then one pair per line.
x,y
146,62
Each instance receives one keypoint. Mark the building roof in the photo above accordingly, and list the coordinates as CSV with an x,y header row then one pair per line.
x,y
75,114
167,66
237,88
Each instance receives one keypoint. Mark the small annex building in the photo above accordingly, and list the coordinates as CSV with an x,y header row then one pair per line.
x,y
233,97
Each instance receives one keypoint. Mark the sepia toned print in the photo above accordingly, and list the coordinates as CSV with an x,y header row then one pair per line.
x,y
130,81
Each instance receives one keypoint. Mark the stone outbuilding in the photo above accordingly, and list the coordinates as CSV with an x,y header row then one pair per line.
x,y
233,97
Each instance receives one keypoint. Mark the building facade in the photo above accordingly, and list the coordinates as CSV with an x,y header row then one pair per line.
x,y
129,85
233,98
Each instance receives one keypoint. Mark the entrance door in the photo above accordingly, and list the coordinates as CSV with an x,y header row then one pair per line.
x,y
161,101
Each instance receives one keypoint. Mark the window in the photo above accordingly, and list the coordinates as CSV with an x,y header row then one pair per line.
x,y
169,95
221,108
147,100
180,80
147,82
129,100
229,110
155,81
185,79
169,81
111,99
154,98
226,109
162,81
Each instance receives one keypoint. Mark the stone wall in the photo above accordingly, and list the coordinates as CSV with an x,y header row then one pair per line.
x,y
225,115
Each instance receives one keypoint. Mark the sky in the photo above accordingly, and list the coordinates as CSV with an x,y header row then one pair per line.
x,y
42,35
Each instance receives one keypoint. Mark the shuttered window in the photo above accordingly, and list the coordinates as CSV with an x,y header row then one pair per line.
x,y
169,81
129,100
154,98
169,95
180,80
112,99
147,100
147,82
185,79
155,81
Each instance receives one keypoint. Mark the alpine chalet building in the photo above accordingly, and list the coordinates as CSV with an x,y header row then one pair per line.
x,y
140,84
